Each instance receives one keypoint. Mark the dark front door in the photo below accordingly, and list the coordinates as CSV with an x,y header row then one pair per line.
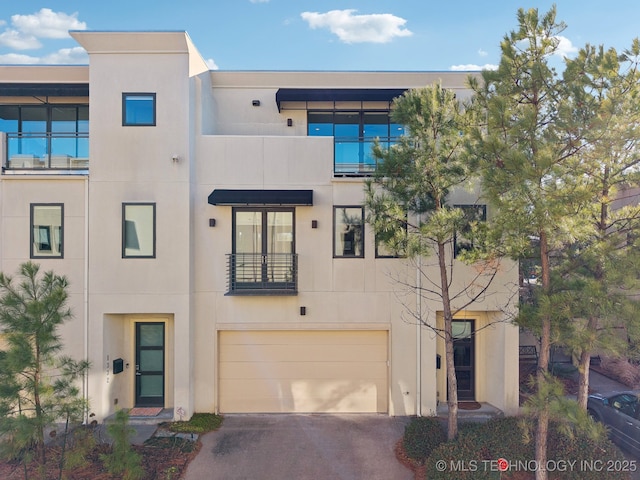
x,y
149,364
463,358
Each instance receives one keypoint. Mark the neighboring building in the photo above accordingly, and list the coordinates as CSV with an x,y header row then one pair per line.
x,y
211,225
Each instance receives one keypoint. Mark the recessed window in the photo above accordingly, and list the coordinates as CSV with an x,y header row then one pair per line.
x,y
46,230
348,232
463,239
138,109
138,230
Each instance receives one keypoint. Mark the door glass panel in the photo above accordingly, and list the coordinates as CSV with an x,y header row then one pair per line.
x,y
151,360
279,246
151,335
151,386
248,246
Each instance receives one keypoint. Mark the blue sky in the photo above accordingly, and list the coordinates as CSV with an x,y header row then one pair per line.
x,y
400,35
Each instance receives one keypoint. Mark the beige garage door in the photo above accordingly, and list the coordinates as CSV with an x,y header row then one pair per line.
x,y
302,371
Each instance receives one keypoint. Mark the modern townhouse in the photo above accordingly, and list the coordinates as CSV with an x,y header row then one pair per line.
x,y
212,227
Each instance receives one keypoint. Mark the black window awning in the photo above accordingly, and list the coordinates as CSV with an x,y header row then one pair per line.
x,y
337,94
261,197
44,89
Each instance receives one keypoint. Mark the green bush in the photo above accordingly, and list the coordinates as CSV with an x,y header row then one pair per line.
x,y
199,423
422,436
474,454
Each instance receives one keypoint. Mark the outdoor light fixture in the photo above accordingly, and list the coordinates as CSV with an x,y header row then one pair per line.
x,y
314,223
255,103
212,222
303,310
289,122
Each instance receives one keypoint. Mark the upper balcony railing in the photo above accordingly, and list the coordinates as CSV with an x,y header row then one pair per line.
x,y
55,151
262,274
353,157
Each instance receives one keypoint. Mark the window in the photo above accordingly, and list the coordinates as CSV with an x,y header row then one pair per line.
x,y
138,109
46,230
263,249
138,230
348,228
463,239
393,244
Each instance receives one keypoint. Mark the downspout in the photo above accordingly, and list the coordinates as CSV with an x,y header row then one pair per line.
x,y
85,293
419,334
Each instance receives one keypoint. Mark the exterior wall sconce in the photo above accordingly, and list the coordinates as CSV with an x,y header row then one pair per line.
x,y
289,122
175,158
212,222
314,223
303,310
255,103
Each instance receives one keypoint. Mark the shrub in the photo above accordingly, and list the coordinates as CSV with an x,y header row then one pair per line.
x,y
199,423
422,436
122,460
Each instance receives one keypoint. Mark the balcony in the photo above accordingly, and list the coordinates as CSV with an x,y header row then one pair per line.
x,y
353,157
262,274
47,151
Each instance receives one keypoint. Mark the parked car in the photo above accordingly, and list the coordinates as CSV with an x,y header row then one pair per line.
x,y
620,412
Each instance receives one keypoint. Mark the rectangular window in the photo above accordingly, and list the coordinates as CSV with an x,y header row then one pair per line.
x,y
138,230
348,232
393,244
138,109
463,239
46,230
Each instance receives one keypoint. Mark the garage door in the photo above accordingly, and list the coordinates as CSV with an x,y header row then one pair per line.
x,y
302,371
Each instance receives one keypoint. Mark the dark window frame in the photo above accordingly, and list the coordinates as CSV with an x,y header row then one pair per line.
x,y
362,224
32,252
480,208
124,233
126,96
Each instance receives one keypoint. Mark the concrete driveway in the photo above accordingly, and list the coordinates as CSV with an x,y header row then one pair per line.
x,y
314,447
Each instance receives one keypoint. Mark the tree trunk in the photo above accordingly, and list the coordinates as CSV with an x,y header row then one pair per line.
x,y
542,428
583,367
452,384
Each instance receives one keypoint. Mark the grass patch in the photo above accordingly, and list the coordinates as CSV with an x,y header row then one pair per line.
x,y
181,444
199,423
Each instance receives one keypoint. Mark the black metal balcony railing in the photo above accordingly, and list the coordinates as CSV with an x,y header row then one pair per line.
x,y
352,155
262,274
63,150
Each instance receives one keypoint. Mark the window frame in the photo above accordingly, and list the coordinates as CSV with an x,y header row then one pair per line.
x,y
32,250
480,208
126,96
405,226
124,233
362,224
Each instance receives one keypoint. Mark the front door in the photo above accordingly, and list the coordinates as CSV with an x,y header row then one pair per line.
x,y
149,364
463,358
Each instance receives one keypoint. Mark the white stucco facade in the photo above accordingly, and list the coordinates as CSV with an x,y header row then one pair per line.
x,y
216,130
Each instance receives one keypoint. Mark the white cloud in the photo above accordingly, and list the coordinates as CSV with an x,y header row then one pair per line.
x,y
211,64
565,47
64,56
482,53
47,24
470,67
351,28
18,41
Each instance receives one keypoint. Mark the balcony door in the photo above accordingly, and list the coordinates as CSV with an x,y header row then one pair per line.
x,y
263,247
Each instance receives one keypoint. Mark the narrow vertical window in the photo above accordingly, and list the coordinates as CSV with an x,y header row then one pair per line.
x,y
348,232
138,109
138,230
47,230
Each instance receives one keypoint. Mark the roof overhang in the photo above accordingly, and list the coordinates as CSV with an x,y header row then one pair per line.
x,y
261,197
337,94
44,89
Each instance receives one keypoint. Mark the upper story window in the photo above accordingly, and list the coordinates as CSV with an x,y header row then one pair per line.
x,y
354,133
138,230
46,136
463,239
138,109
348,232
46,230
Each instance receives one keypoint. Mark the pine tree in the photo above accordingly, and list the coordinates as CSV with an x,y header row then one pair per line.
x,y
37,383
407,208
